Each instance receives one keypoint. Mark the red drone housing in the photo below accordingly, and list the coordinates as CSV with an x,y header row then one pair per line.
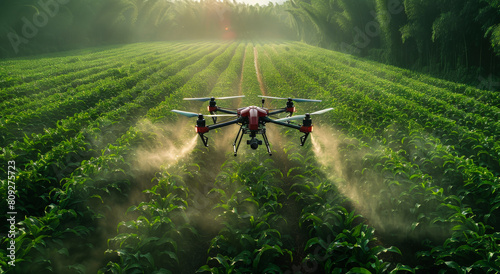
x,y
253,113
306,129
201,129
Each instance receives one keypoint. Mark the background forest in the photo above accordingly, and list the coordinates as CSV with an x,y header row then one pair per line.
x,y
456,39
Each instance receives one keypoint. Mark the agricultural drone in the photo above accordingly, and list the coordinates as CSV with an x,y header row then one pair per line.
x,y
252,120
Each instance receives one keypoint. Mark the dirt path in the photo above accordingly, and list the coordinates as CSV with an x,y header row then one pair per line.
x,y
240,86
259,76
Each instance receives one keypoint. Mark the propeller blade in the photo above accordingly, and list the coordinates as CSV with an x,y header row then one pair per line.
x,y
298,117
279,98
230,97
185,113
209,98
198,99
192,114
293,99
305,100
322,111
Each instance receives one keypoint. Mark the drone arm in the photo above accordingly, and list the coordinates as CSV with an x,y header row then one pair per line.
x,y
201,129
282,123
226,111
304,129
277,111
214,126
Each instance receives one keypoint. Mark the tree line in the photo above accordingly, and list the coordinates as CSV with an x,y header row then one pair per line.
x,y
445,36
38,26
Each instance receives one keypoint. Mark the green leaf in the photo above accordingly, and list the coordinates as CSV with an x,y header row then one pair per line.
x,y
271,268
171,254
401,267
245,257
359,270
455,266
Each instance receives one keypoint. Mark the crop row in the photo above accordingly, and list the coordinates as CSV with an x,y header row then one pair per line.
x,y
88,182
432,206
100,129
82,98
169,218
61,160
61,88
419,81
32,145
46,78
476,177
55,65
411,171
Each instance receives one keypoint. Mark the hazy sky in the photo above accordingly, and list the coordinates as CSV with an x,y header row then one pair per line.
x,y
260,2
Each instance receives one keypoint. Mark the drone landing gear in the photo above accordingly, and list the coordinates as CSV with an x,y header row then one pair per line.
x,y
254,142
204,139
235,147
303,138
266,141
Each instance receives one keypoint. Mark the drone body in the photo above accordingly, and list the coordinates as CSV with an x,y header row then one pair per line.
x,y
252,120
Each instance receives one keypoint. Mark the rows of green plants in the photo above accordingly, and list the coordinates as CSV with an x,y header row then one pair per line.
x,y
103,181
58,152
78,99
415,80
472,171
406,168
472,134
334,240
32,145
166,235
414,186
46,75
466,135
65,83
70,198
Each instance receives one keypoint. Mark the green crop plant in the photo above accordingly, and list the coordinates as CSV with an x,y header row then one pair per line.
x,y
407,182
152,241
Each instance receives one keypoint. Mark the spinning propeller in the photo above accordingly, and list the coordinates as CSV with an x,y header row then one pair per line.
x,y
298,117
291,99
204,99
192,114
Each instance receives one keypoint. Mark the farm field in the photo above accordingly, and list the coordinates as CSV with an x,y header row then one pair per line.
x,y
402,176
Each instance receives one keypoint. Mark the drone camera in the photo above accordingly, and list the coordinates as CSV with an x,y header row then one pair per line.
x,y
254,143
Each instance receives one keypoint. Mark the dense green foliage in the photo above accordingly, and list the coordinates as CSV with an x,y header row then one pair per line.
x,y
443,37
34,26
457,39
403,175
